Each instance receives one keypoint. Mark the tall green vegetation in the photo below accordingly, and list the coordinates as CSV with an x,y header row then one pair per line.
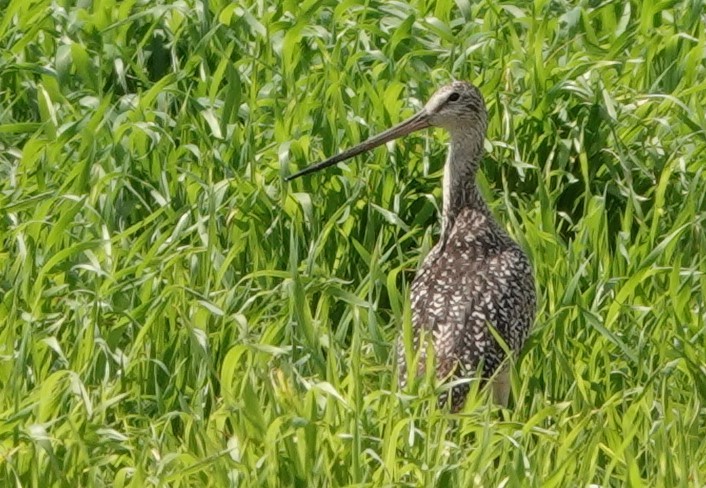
x,y
173,314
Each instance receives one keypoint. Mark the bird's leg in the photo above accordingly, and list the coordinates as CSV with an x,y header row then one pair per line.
x,y
500,385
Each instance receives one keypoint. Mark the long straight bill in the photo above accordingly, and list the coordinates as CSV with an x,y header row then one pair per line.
x,y
417,122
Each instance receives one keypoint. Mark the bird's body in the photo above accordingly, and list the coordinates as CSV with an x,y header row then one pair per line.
x,y
475,277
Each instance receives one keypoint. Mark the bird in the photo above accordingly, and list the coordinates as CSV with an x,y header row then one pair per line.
x,y
476,283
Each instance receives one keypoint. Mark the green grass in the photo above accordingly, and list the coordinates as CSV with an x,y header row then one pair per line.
x,y
173,314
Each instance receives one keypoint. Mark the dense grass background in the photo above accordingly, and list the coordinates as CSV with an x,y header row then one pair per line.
x,y
173,314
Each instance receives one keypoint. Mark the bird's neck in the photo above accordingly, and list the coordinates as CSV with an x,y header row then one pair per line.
x,y
460,190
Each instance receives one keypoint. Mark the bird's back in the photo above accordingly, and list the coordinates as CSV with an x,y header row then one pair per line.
x,y
474,278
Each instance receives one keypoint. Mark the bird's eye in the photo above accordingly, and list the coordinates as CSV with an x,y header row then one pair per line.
x,y
454,96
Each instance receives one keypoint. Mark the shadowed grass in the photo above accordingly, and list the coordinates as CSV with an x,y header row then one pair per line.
x,y
173,314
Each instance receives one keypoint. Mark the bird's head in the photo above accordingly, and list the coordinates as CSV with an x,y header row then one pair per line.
x,y
457,107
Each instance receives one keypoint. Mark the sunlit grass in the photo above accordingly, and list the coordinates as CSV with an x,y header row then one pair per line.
x,y
173,314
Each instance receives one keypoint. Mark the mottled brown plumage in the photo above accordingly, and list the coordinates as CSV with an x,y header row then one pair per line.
x,y
476,276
